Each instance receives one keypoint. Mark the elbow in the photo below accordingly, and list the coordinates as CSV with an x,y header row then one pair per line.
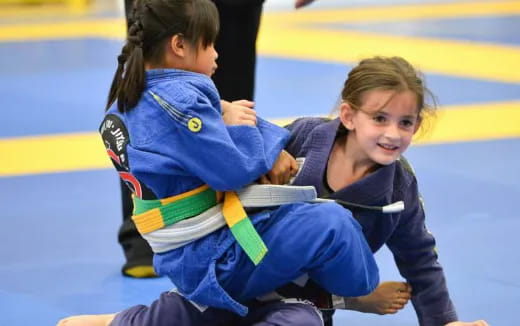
x,y
236,171
234,179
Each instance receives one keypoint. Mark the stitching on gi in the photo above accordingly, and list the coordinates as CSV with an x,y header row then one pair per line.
x,y
173,112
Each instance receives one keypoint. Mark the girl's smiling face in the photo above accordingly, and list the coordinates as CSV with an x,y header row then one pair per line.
x,y
381,129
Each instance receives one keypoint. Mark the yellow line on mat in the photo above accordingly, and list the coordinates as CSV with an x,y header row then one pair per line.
x,y
294,34
52,153
102,28
432,55
387,13
84,151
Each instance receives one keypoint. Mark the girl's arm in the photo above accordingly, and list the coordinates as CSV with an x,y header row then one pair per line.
x,y
242,113
301,130
413,247
225,157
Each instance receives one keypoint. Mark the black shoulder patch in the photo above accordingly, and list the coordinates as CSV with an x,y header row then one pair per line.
x,y
115,138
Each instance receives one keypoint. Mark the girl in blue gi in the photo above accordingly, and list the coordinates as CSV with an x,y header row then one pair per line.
x,y
165,134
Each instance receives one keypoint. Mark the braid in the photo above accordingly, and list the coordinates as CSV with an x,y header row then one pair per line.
x,y
118,77
135,33
128,82
151,24
133,82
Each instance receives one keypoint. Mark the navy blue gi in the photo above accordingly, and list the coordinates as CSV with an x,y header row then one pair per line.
x,y
404,233
171,309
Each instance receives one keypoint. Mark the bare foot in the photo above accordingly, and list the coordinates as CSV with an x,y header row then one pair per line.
x,y
387,298
473,323
87,320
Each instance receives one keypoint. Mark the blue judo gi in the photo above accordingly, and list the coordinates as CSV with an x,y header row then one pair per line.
x,y
180,146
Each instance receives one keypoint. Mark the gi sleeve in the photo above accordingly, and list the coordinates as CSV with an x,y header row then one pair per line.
x,y
224,157
415,255
300,130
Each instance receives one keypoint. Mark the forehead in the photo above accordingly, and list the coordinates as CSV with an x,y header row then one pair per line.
x,y
390,101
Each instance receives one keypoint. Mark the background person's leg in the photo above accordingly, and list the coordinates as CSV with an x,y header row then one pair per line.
x,y
138,253
236,47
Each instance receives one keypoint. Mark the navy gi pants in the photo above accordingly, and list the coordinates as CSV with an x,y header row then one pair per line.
x,y
171,309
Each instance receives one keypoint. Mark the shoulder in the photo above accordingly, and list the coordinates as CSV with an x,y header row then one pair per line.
x,y
181,89
187,90
405,180
305,125
183,99
171,106
301,134
404,172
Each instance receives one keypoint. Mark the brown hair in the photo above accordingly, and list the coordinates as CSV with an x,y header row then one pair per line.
x,y
387,73
151,24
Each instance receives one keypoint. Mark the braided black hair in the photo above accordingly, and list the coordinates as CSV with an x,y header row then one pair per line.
x,y
151,25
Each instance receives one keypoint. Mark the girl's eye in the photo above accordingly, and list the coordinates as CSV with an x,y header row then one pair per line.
x,y
407,123
379,118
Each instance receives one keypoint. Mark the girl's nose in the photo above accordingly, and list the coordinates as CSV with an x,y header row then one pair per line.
x,y
392,131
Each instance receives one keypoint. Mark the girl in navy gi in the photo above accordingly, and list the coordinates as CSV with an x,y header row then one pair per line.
x,y
165,134
357,158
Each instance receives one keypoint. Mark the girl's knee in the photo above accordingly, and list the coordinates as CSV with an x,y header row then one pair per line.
x,y
333,220
319,231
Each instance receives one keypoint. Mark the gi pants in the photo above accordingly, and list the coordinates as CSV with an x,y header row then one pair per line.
x,y
171,309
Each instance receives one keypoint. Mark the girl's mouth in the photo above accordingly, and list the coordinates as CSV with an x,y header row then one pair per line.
x,y
388,147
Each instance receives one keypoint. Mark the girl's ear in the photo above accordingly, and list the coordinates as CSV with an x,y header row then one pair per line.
x,y
178,45
346,115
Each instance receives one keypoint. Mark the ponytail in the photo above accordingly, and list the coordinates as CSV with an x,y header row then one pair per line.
x,y
129,79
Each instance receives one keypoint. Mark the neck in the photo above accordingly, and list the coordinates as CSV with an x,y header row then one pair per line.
x,y
149,66
345,166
